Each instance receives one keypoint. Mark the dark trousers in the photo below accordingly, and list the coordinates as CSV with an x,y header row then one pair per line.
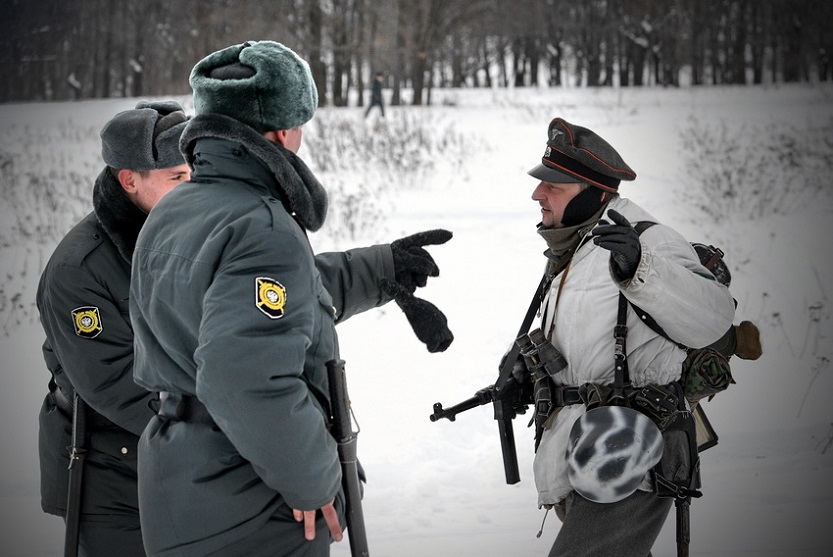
x,y
107,536
627,528
375,103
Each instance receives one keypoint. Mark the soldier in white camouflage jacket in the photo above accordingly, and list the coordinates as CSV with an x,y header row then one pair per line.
x,y
594,255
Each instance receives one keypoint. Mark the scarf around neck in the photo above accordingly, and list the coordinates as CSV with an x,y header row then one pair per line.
x,y
563,242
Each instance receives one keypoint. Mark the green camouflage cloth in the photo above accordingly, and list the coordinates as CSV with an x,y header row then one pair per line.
x,y
706,372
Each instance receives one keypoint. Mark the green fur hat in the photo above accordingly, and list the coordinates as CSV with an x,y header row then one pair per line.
x,y
262,84
145,138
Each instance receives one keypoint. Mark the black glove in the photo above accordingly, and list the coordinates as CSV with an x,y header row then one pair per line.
x,y
622,241
427,321
412,265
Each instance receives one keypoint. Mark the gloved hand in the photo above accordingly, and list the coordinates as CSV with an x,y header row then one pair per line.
x,y
622,241
412,264
427,321
748,341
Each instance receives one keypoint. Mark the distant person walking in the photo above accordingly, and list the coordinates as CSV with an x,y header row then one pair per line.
x,y
376,95
83,303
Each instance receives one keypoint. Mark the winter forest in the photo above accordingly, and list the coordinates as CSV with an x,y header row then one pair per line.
x,y
724,108
58,50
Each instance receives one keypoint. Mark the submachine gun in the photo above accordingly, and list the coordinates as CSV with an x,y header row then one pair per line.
x,y
524,380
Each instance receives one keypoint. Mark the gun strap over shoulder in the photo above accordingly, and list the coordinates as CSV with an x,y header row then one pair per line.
x,y
515,351
621,377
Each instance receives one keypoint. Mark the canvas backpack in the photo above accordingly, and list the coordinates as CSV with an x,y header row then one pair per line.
x,y
705,371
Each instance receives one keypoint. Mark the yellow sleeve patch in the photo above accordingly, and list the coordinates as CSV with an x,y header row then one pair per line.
x,y
270,297
87,321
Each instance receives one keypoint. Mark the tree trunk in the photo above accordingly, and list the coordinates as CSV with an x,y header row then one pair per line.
x,y
419,65
318,68
756,41
457,79
741,38
487,67
555,66
534,57
401,45
518,63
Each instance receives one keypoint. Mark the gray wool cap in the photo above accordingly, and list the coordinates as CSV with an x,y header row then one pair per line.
x,y
144,138
263,84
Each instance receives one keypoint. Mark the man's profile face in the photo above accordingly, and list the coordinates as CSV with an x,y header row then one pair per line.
x,y
151,186
553,198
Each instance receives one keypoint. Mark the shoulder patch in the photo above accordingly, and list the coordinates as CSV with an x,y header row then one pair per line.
x,y
87,321
270,297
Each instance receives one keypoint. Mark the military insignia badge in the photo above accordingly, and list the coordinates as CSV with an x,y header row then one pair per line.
x,y
270,297
87,321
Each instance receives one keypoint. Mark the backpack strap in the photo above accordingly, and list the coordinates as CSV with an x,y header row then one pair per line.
x,y
646,318
514,352
642,226
621,377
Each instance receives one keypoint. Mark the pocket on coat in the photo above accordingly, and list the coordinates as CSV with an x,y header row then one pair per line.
x,y
114,448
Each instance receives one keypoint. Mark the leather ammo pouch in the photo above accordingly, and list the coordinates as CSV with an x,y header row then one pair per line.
x,y
678,473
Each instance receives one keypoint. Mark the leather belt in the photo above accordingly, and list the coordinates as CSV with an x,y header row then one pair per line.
x,y
566,396
62,402
95,421
183,408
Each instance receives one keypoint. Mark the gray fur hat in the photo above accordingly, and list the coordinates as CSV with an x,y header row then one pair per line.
x,y
145,138
577,154
262,84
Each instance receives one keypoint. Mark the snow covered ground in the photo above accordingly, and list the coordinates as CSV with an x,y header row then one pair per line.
x,y
437,488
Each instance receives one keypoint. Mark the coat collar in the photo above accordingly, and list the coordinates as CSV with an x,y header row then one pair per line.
x,y
118,216
305,197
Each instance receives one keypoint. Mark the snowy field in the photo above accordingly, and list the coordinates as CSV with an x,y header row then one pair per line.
x,y
437,488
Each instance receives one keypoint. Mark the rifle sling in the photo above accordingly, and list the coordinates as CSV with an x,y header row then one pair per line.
x,y
621,377
512,356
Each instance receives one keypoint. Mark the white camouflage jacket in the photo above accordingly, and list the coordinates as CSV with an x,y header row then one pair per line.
x,y
670,284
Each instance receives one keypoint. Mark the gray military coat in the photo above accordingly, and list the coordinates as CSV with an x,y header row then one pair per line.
x,y
230,306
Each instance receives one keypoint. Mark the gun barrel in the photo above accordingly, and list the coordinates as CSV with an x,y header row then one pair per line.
x,y
483,396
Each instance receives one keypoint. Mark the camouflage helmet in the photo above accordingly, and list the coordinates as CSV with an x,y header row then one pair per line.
x,y
610,450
